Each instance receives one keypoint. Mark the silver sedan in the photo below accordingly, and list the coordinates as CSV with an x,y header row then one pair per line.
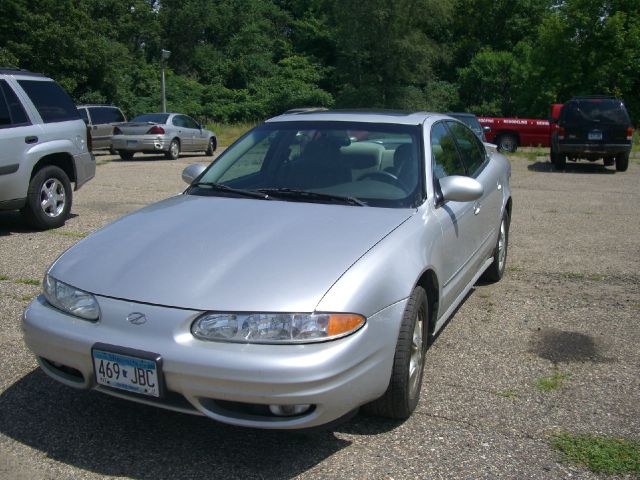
x,y
168,133
298,278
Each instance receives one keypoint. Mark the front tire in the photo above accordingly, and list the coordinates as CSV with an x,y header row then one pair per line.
x,y
622,162
403,392
49,198
507,143
211,147
174,150
496,270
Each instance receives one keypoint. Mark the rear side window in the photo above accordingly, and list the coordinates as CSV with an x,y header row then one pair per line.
x,y
471,151
596,110
51,101
446,160
11,111
105,115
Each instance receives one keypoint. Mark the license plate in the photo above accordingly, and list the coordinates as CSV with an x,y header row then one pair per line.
x,y
132,143
131,370
595,135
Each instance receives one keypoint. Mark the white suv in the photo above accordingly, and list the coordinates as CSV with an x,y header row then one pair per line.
x,y
43,148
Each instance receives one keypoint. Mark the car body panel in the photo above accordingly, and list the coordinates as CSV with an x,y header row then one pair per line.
x,y
222,242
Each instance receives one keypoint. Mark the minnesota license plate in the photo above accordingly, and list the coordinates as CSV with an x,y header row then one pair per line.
x,y
595,135
136,372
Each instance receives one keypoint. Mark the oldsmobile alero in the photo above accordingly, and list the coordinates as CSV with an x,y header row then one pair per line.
x,y
300,276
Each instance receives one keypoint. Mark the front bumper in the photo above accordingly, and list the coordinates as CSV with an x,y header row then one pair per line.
x,y
141,143
204,378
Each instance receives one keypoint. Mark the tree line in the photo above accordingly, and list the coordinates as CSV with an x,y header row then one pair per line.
x,y
244,60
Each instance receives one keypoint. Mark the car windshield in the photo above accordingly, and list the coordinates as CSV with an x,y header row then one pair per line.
x,y
597,110
322,162
151,117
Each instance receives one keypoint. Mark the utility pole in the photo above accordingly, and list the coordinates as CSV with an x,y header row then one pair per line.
x,y
164,55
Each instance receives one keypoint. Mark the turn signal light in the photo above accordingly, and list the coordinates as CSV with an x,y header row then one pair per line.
x,y
156,130
629,133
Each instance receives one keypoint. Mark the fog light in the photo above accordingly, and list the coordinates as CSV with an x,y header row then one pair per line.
x,y
288,410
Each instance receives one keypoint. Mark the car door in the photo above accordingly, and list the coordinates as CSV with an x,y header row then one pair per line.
x,y
200,142
456,245
183,133
487,209
17,136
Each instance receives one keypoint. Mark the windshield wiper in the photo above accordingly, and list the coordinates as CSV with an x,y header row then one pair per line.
x,y
294,194
218,187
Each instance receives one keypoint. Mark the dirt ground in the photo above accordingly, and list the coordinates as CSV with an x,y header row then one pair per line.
x,y
566,312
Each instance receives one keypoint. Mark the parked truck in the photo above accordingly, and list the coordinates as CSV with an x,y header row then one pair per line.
x,y
511,133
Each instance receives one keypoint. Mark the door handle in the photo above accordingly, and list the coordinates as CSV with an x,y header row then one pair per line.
x,y
31,139
476,208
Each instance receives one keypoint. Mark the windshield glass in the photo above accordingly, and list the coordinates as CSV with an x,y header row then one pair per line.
x,y
375,164
597,110
151,117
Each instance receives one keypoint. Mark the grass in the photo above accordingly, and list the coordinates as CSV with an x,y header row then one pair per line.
x,y
554,382
597,277
68,233
599,454
515,268
3,277
229,133
27,281
510,394
573,275
25,298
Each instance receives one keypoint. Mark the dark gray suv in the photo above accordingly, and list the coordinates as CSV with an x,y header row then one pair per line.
x,y
592,128
101,120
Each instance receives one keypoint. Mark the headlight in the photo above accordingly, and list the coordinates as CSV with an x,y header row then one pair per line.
x,y
70,299
275,327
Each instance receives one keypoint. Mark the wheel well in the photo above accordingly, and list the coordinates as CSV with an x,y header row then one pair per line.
x,y
512,133
509,204
60,160
429,282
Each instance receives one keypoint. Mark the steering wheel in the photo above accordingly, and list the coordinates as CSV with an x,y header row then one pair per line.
x,y
386,177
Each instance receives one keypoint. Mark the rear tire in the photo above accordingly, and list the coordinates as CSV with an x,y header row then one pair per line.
x,y
559,160
211,147
49,199
496,270
125,155
403,392
622,162
507,143
174,150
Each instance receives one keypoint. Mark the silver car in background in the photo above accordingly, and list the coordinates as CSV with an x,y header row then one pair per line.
x,y
168,133
299,277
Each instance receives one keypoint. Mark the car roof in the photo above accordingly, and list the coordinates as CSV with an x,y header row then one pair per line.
x,y
19,72
365,116
461,114
85,105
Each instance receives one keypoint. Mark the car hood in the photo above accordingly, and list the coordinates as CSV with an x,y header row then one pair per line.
x,y
226,254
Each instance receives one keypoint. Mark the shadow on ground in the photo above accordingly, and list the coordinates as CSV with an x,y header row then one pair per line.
x,y
571,167
115,437
12,222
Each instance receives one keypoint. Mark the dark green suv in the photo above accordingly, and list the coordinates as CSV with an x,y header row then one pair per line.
x,y
592,128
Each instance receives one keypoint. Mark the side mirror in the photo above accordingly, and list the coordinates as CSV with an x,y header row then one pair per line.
x,y
460,189
192,172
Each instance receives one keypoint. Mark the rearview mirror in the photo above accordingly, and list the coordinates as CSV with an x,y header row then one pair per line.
x,y
460,189
192,172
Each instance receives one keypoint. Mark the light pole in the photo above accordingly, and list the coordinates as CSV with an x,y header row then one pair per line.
x,y
164,55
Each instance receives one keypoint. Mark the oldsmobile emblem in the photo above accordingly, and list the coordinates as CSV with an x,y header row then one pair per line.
x,y
136,318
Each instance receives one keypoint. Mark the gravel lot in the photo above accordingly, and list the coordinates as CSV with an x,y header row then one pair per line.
x,y
569,306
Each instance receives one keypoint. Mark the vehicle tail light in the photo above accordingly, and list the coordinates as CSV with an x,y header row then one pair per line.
x,y
561,133
156,130
117,131
629,133
89,139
